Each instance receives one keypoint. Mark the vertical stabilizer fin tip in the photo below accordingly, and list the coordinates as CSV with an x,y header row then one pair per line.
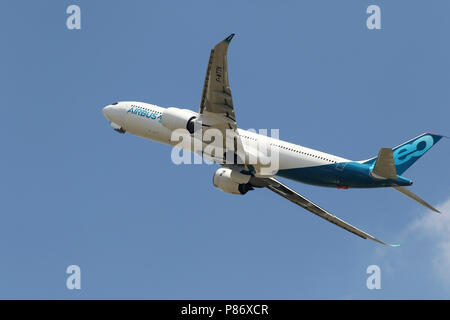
x,y
438,135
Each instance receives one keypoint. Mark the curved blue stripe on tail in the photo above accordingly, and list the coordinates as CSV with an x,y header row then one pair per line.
x,y
409,152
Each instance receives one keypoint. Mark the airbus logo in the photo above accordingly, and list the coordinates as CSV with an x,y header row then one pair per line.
x,y
144,113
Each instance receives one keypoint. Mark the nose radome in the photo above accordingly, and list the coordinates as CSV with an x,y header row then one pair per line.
x,y
113,113
107,111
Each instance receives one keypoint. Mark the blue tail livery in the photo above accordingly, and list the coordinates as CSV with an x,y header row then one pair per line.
x,y
406,154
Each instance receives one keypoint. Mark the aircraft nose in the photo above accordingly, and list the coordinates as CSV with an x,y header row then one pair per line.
x,y
107,111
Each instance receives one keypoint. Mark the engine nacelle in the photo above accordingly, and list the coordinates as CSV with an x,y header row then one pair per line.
x,y
175,118
232,181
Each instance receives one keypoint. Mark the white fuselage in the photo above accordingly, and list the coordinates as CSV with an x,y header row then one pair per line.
x,y
144,120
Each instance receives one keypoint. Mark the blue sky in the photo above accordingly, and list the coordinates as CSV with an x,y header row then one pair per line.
x,y
75,192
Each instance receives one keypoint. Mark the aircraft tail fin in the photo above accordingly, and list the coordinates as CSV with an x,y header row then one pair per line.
x,y
409,152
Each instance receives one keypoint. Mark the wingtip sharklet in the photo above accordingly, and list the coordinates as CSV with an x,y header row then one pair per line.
x,y
384,243
228,39
390,245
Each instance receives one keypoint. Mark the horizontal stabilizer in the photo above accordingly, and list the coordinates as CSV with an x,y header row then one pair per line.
x,y
413,196
385,166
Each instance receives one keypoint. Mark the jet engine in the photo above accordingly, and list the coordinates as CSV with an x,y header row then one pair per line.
x,y
175,118
232,181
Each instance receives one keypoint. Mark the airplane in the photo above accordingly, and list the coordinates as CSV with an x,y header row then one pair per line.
x,y
295,162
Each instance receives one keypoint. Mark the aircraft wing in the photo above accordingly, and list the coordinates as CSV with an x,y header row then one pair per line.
x,y
284,191
216,95
216,106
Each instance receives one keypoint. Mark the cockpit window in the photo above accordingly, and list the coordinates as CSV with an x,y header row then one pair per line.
x,y
114,103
